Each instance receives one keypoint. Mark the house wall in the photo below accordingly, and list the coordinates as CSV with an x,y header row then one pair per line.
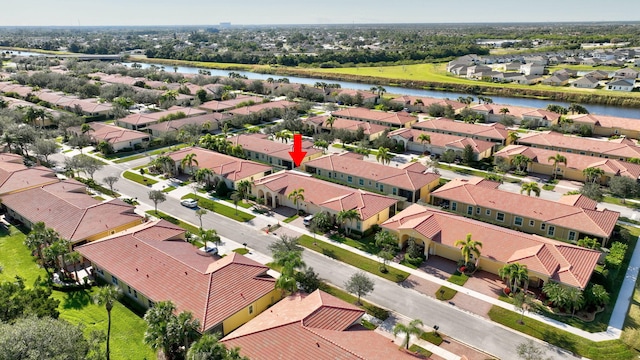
x,y
472,136
606,131
243,316
113,230
574,151
125,144
276,161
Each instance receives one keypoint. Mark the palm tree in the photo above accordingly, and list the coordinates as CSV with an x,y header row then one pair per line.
x,y
514,274
107,296
157,319
384,156
558,159
424,138
330,122
74,258
244,188
345,216
236,198
287,282
504,111
188,161
203,175
412,329
520,162
207,347
36,239
575,299
467,247
185,327
165,163
513,137
592,174
208,236
296,196
529,187
555,293
199,213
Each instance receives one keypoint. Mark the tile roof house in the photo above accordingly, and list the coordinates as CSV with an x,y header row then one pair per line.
x,y
496,133
411,181
576,163
604,125
208,123
493,112
440,143
540,117
335,95
66,207
389,119
318,325
248,110
152,262
15,176
560,220
141,120
229,169
119,138
322,195
419,103
546,259
259,148
621,148
371,131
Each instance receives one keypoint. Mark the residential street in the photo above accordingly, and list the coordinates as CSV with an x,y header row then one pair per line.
x,y
467,327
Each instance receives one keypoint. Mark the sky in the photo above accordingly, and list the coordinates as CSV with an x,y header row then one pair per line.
x,y
265,12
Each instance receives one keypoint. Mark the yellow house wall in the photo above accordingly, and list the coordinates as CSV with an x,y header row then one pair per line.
x,y
114,230
243,316
249,179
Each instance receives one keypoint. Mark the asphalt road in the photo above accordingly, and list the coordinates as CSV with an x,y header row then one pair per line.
x,y
469,328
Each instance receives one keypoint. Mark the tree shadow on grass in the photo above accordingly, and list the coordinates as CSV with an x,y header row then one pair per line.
x,y
559,340
328,252
77,299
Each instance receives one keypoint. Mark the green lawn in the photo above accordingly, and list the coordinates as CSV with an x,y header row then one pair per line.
x,y
417,349
241,204
168,189
372,310
605,350
128,158
458,279
241,251
445,293
190,228
432,337
351,258
618,201
631,330
291,218
76,306
221,209
129,175
367,243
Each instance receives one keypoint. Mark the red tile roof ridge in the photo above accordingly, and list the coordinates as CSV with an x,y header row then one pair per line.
x,y
332,342
233,258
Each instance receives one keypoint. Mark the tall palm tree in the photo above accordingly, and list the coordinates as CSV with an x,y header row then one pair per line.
x,y
467,247
199,213
592,174
185,327
520,162
557,159
504,111
207,347
107,296
188,161
412,329
287,282
202,176
513,137
424,138
236,198
575,299
74,258
36,239
384,156
514,274
165,163
244,188
330,122
296,196
210,236
530,187
345,216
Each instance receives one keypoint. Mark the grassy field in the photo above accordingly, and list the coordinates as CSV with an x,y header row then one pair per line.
x,y
631,330
76,306
201,64
353,259
221,209
129,175
605,350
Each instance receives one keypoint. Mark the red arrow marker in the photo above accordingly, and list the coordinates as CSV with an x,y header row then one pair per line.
x,y
297,154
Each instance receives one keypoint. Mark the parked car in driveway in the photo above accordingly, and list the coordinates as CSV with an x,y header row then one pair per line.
x,y
190,203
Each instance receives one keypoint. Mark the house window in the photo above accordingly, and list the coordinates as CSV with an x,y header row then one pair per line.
x,y
454,206
487,212
350,179
517,221
369,182
250,309
361,182
551,231
478,210
341,176
135,294
572,235
358,225
469,210
500,216
543,226
151,304
329,175
100,271
381,187
249,153
395,191
114,280
129,289
532,223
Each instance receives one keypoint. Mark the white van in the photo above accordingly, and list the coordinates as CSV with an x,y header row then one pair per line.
x,y
307,220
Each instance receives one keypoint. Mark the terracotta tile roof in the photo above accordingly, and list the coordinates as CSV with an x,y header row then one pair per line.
x,y
604,121
588,221
569,264
621,147
248,110
229,167
154,117
326,194
493,131
15,176
154,259
543,114
397,119
444,141
411,177
261,144
579,200
111,133
317,325
578,162
354,125
200,120
316,120
65,207
217,106
426,101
